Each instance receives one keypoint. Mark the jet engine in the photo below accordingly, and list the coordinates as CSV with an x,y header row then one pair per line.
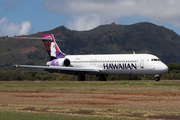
x,y
59,62
64,62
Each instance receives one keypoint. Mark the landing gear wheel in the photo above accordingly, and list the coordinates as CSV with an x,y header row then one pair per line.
x,y
157,78
81,77
102,78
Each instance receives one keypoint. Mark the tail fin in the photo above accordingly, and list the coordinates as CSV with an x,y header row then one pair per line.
x,y
52,47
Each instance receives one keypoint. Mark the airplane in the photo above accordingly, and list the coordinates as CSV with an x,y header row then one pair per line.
x,y
99,65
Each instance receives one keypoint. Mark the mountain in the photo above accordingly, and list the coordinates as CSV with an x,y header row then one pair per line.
x,y
105,39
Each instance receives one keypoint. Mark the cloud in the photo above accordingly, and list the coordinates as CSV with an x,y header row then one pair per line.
x,y
87,14
12,29
85,22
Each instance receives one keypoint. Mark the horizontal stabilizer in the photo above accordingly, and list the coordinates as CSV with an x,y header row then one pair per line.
x,y
34,38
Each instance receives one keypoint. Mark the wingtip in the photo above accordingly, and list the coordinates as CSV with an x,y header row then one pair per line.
x,y
16,66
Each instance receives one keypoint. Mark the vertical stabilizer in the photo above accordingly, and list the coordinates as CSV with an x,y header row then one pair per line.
x,y
52,47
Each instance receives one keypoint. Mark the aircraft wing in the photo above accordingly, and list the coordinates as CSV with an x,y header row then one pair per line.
x,y
66,70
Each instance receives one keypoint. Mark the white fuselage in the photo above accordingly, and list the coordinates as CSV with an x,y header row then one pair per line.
x,y
139,64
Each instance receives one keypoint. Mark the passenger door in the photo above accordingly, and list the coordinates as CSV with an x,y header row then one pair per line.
x,y
142,64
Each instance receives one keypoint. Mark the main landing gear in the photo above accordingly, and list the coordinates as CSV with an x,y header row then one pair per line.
x,y
81,77
102,78
157,77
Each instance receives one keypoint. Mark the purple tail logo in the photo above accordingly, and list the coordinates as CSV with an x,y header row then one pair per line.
x,y
52,47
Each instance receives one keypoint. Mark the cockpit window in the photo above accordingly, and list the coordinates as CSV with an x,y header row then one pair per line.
x,y
155,59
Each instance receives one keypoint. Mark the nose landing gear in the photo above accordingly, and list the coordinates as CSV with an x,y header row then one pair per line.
x,y
157,77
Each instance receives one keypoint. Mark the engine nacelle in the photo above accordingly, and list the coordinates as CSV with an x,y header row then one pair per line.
x,y
64,62
59,62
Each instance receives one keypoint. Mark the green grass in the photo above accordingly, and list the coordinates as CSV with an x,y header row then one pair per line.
x,y
8,115
64,85
101,89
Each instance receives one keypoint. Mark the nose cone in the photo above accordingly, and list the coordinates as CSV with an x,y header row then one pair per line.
x,y
160,68
163,68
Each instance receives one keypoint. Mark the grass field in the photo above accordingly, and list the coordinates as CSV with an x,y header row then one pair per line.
x,y
89,100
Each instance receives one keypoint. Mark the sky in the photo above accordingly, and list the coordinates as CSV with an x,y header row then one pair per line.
x,y
24,17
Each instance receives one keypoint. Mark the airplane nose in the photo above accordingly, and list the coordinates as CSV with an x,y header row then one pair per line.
x,y
161,68
164,68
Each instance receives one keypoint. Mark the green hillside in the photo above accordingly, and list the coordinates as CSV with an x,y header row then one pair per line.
x,y
141,37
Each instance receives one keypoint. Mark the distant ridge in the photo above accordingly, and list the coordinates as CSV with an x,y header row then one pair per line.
x,y
141,37
113,23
